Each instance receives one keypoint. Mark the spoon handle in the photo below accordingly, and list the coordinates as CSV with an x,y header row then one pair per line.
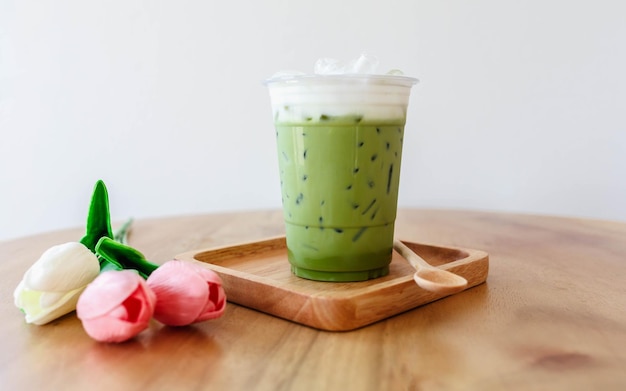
x,y
415,260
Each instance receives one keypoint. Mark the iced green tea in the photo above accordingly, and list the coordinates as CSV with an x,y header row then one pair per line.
x,y
339,144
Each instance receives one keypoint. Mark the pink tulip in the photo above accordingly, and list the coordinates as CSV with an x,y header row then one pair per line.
x,y
116,306
186,293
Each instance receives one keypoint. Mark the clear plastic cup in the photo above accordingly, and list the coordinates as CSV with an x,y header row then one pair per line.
x,y
339,143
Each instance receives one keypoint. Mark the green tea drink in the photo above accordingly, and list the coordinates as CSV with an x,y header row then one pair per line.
x,y
339,144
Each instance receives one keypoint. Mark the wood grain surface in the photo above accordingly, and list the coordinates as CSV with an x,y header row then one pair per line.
x,y
551,316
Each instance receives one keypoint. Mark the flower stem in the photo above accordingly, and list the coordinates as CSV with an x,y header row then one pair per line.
x,y
121,235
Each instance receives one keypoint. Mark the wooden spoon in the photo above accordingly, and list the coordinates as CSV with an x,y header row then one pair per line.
x,y
429,277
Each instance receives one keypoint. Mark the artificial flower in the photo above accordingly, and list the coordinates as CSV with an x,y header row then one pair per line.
x,y
52,285
186,293
127,257
116,306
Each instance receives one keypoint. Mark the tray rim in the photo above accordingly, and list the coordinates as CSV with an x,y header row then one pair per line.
x,y
348,301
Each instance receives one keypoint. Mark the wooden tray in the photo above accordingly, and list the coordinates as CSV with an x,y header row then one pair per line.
x,y
257,275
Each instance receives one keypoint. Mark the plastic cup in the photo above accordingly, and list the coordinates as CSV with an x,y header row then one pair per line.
x,y
339,142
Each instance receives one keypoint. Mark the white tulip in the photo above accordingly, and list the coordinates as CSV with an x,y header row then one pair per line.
x,y
51,286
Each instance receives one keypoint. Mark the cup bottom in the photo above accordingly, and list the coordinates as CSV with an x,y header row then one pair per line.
x,y
316,275
339,254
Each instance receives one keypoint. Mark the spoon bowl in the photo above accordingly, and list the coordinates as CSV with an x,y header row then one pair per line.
x,y
429,277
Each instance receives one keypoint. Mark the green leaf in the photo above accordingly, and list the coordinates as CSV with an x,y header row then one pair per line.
x,y
98,219
126,256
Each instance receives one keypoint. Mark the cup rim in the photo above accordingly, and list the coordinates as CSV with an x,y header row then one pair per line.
x,y
350,77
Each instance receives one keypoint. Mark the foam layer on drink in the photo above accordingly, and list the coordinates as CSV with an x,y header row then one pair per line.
x,y
309,98
350,90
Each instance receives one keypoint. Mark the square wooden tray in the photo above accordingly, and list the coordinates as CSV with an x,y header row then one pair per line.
x,y
257,275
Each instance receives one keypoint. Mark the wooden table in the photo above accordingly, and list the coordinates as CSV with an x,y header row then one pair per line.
x,y
552,316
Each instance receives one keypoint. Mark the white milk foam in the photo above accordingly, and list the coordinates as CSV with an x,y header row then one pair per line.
x,y
335,89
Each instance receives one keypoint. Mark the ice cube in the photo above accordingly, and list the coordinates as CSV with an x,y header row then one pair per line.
x,y
395,72
327,66
365,64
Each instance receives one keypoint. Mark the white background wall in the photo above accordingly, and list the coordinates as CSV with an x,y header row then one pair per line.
x,y
521,105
